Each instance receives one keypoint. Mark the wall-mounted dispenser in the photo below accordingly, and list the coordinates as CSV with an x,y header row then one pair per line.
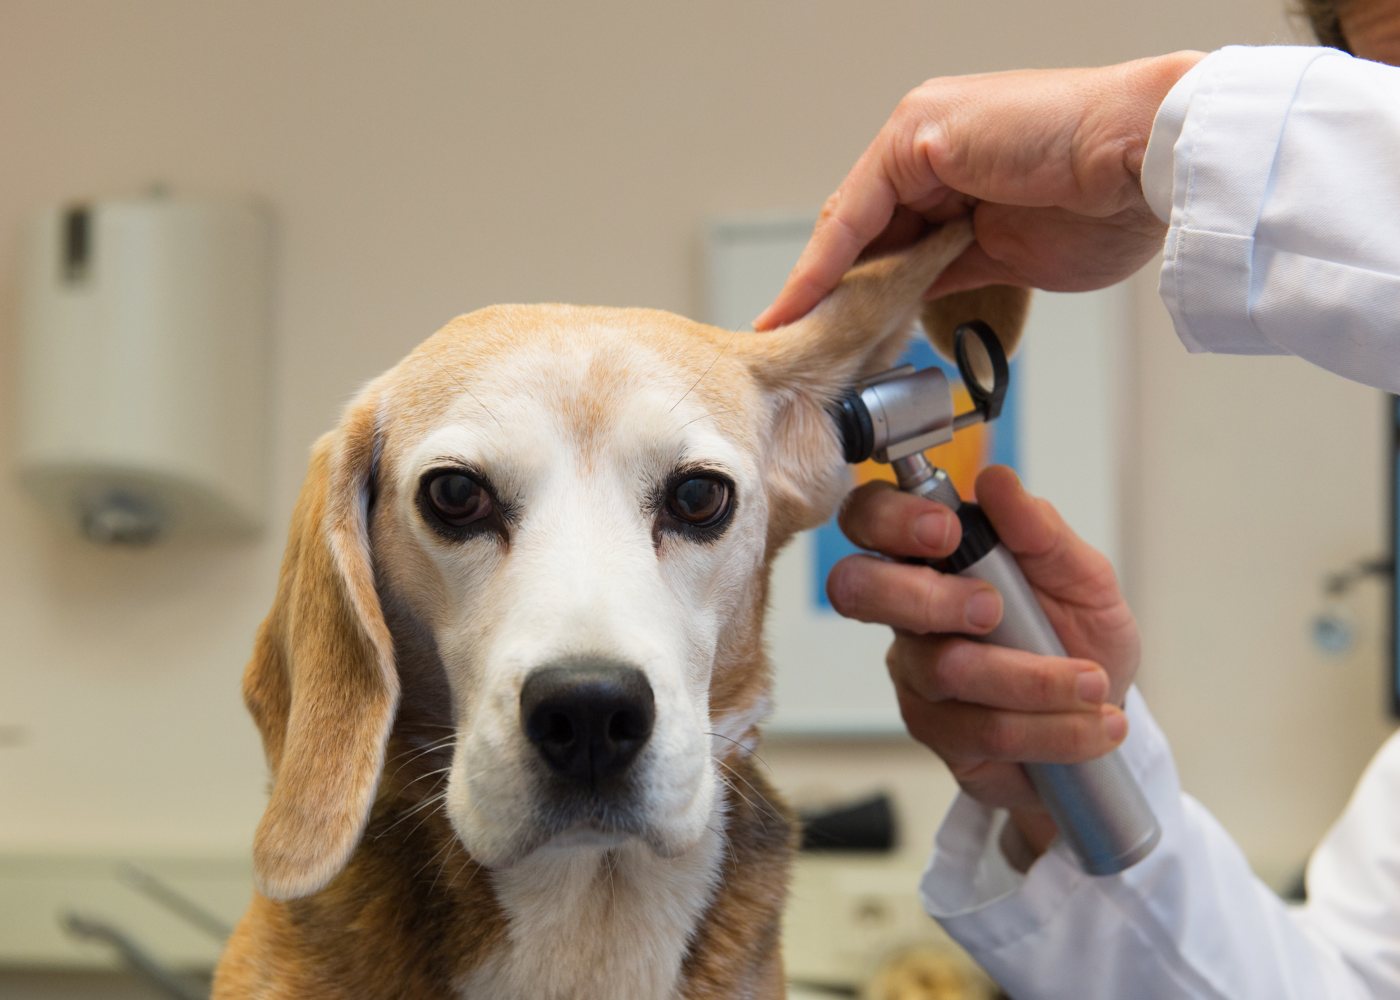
x,y
144,370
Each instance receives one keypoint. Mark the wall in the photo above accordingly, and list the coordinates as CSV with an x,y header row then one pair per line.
x,y
429,158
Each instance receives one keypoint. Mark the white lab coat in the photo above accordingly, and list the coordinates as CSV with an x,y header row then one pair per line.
x,y
1278,170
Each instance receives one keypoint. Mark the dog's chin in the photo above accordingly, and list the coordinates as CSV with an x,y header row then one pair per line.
x,y
499,850
587,838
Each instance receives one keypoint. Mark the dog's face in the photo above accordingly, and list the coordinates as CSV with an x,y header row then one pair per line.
x,y
577,523
549,529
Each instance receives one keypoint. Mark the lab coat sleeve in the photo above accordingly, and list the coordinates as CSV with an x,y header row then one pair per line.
x,y
1190,920
1278,172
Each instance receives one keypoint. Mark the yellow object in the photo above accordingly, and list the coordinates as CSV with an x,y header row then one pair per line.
x,y
929,973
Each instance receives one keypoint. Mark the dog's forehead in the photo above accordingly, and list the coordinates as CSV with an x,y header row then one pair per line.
x,y
595,372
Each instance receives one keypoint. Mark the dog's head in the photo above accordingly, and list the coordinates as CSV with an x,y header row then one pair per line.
x,y
548,529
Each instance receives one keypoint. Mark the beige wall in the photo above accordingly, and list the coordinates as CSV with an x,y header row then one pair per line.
x,y
424,159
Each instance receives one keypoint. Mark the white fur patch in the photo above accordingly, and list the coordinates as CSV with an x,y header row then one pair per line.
x,y
595,923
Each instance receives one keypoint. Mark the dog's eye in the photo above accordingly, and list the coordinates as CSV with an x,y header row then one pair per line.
x,y
699,501
458,498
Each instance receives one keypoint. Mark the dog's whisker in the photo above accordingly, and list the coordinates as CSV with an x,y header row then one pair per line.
x,y
728,843
444,849
431,800
468,862
728,409
467,389
447,849
395,772
734,855
471,774
422,751
746,747
610,867
428,774
761,805
762,799
416,757
432,743
715,361
426,816
729,784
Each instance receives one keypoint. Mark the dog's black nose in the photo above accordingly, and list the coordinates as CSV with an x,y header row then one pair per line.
x,y
587,718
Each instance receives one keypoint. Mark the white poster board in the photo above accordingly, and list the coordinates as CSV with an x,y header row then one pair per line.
x,y
1069,429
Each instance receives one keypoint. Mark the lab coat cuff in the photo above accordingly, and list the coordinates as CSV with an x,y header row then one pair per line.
x,y
974,891
1156,176
1232,118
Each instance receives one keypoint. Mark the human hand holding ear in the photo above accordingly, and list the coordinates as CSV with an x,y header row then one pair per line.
x,y
1047,162
985,709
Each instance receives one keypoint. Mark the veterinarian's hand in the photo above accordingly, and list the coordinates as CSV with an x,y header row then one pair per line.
x,y
1048,162
980,707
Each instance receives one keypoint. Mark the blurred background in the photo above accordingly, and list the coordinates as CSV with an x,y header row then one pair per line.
x,y
419,160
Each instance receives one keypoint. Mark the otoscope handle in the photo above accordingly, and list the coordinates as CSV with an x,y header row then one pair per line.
x,y
1097,805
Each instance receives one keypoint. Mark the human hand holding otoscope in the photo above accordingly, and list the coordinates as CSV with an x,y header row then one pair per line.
x,y
1044,684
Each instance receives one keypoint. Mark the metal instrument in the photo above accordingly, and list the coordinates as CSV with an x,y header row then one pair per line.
x,y
894,417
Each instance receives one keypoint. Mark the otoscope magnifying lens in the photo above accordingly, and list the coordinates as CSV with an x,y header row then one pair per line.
x,y
975,362
982,364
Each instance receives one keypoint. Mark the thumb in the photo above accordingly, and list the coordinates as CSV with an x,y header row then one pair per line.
x,y
974,269
1054,559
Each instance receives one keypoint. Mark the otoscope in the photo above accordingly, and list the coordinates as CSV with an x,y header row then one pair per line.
x,y
893,417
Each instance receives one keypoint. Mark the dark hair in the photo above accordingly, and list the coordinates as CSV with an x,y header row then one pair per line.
x,y
1324,17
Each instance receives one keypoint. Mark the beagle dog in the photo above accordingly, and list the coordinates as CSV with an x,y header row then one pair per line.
x,y
510,685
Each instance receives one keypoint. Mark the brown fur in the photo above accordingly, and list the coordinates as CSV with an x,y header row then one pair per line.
x,y
1002,307
326,643
365,890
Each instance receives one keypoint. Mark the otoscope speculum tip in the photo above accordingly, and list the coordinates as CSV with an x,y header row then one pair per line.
x,y
853,423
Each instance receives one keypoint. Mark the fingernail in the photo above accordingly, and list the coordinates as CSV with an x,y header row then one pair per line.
x,y
837,588
1115,724
1092,686
983,609
931,530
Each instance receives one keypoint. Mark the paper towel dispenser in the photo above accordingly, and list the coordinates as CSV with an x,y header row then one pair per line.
x,y
143,394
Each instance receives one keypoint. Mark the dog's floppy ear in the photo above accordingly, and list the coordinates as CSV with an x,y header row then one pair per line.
x,y
322,685
859,329
1002,307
